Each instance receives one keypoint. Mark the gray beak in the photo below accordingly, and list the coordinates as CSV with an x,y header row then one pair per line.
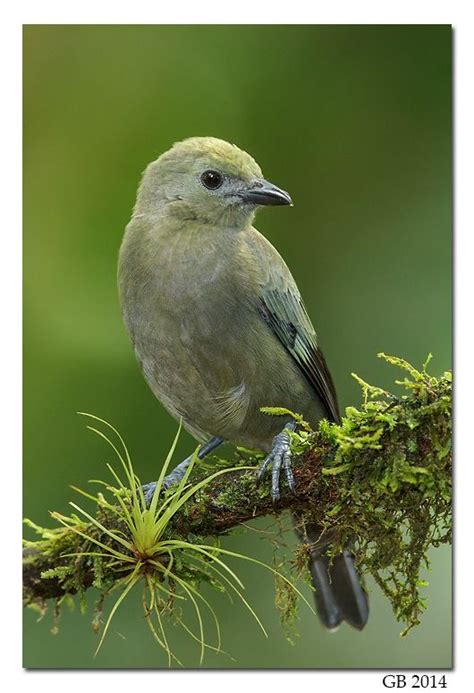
x,y
262,192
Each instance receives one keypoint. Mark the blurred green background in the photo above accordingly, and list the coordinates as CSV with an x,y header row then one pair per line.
x,y
354,121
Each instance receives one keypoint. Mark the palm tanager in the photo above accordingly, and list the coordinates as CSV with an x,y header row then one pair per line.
x,y
220,330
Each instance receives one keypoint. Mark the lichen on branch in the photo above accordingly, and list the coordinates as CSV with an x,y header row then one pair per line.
x,y
380,481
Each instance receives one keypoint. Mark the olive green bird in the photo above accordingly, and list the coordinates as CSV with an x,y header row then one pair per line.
x,y
220,330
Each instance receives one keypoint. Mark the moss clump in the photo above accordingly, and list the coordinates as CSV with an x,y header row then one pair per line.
x,y
389,475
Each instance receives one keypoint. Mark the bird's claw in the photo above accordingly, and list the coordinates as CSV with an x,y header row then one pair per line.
x,y
149,489
179,472
280,456
148,492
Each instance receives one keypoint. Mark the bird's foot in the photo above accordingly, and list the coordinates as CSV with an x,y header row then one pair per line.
x,y
175,476
280,456
149,489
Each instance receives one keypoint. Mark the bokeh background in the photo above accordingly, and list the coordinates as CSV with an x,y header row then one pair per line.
x,y
355,121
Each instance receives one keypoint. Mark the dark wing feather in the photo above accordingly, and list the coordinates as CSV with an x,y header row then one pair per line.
x,y
284,311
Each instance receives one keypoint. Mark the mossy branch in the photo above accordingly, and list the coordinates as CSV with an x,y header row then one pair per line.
x,y
381,481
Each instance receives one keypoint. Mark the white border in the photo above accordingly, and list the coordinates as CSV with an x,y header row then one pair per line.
x,y
245,12
238,12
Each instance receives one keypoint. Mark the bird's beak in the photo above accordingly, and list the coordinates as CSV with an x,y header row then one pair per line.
x,y
262,192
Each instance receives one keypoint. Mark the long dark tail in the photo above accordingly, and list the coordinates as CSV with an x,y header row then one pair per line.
x,y
339,595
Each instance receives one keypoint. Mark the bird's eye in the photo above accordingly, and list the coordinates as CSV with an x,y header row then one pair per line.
x,y
212,179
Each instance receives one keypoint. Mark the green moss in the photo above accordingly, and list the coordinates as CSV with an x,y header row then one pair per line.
x,y
390,475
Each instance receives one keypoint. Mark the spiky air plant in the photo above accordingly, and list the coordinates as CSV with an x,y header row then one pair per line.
x,y
140,549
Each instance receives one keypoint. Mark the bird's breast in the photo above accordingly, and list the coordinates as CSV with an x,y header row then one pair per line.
x,y
192,310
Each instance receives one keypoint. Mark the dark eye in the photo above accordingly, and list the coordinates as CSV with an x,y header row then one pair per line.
x,y
212,179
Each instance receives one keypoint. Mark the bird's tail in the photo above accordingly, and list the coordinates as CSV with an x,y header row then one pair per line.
x,y
339,595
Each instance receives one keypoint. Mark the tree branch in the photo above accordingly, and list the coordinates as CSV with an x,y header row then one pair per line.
x,y
383,478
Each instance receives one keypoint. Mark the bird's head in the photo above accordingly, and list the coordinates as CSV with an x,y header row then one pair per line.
x,y
209,180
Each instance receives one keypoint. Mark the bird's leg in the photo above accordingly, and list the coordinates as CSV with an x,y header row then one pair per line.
x,y
179,471
280,456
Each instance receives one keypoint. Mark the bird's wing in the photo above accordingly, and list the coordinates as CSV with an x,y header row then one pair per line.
x,y
282,308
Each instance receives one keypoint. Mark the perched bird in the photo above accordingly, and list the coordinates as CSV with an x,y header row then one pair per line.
x,y
220,330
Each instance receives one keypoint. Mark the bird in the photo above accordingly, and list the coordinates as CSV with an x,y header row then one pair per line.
x,y
219,329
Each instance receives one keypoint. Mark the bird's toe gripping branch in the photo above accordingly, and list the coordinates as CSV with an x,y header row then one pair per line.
x,y
173,478
148,491
279,457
